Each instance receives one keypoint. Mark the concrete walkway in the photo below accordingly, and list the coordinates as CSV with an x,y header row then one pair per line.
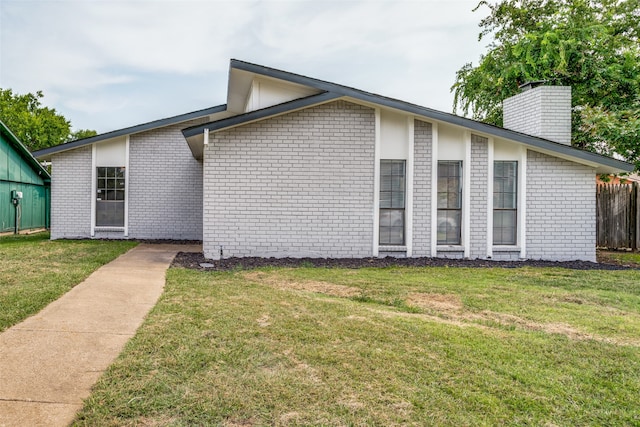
x,y
49,362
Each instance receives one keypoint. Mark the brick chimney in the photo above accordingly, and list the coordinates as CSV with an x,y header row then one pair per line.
x,y
542,111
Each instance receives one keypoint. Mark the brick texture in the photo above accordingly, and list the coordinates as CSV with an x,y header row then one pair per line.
x,y
300,184
561,217
423,144
165,186
479,186
165,189
544,111
506,255
451,254
71,194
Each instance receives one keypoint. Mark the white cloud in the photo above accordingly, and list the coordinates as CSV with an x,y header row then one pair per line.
x,y
106,63
180,37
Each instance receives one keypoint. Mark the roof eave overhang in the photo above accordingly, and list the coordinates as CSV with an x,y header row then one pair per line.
x,y
602,164
45,154
25,153
195,134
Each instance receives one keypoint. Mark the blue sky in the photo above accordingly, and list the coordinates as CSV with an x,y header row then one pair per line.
x,y
106,65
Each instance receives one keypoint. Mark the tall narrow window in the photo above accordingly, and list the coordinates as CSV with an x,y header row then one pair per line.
x,y
110,197
505,202
392,195
449,202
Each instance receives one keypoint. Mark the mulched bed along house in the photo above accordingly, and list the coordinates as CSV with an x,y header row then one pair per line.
x,y
197,261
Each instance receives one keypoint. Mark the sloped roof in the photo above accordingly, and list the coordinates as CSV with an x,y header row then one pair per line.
x,y
240,72
331,91
24,152
47,152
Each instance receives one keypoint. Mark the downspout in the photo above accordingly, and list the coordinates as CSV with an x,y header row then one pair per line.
x,y
47,219
15,217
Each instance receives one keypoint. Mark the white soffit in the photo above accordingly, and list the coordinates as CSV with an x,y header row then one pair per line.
x,y
240,86
600,169
196,143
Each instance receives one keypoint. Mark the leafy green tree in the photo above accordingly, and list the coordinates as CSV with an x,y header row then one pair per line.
x,y
35,125
592,46
83,133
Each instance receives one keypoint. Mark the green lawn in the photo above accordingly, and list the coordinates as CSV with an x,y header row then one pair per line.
x,y
35,271
620,257
395,346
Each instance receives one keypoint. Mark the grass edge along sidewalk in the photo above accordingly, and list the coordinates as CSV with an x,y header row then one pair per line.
x,y
34,271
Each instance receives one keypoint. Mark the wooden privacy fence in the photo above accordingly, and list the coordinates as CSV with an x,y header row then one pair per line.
x,y
618,216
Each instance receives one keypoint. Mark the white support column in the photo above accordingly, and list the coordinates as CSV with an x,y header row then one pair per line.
x,y
466,195
409,193
522,202
376,186
490,198
126,187
434,189
93,190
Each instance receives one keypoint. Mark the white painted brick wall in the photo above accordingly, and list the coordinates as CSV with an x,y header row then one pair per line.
x,y
451,254
165,189
479,186
300,184
71,194
544,111
165,186
423,142
506,255
561,216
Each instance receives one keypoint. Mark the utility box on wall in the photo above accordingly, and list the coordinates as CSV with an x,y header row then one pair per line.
x,y
24,186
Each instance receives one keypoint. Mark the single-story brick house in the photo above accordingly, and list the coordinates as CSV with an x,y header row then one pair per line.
x,y
295,166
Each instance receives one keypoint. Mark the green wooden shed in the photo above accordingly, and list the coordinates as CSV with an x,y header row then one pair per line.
x,y
21,175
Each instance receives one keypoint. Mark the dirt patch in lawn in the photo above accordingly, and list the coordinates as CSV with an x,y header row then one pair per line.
x,y
447,303
511,320
310,372
278,282
448,308
568,331
238,422
264,321
491,321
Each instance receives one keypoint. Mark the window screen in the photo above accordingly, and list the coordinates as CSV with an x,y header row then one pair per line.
x,y
505,202
110,190
449,202
392,201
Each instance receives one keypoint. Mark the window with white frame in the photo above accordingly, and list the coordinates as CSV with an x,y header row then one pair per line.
x,y
505,202
392,202
110,188
449,202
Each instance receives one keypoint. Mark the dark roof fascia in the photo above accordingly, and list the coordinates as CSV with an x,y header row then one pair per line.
x,y
130,130
543,144
340,89
261,114
25,153
288,76
433,114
